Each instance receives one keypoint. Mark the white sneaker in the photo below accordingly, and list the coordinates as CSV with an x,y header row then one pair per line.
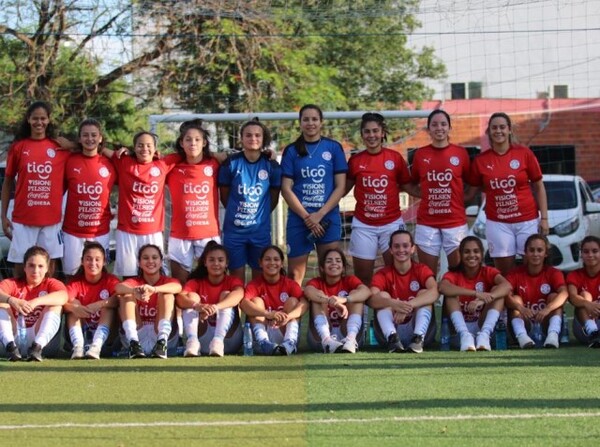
x,y
483,342
349,346
192,348
525,342
467,343
551,340
289,346
331,345
77,353
93,352
216,348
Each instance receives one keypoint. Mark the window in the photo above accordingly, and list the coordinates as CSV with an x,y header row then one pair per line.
x,y
560,91
466,90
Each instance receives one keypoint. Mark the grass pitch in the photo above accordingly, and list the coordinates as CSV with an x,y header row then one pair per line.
x,y
511,397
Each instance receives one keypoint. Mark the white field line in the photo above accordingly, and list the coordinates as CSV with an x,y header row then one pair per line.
x,y
465,417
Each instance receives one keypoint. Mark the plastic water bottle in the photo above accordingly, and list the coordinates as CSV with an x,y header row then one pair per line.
x,y
564,331
536,333
445,335
501,343
248,349
312,238
22,334
372,340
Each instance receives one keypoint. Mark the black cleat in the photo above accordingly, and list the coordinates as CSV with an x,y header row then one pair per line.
x,y
13,353
135,350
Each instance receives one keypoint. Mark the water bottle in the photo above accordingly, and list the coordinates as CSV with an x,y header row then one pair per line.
x,y
445,335
536,333
248,349
564,330
22,334
372,340
501,343
312,238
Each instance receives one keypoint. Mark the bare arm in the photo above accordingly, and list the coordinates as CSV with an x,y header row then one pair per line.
x,y
413,189
539,192
349,185
7,187
274,197
232,299
291,199
224,195
58,298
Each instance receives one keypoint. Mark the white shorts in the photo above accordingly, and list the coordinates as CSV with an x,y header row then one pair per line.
x,y
148,337
367,240
508,239
74,248
431,240
184,251
26,236
128,245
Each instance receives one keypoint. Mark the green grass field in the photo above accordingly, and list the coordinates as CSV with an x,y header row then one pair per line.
x,y
539,397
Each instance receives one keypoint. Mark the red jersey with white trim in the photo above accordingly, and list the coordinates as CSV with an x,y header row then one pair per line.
x,y
377,180
89,181
342,288
441,173
274,295
40,167
211,293
534,290
141,193
482,282
194,200
506,180
585,283
88,293
147,310
19,289
400,286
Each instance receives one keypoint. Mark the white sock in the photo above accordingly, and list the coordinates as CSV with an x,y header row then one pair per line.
x,y
555,323
225,319
458,320
291,331
322,327
489,324
190,323
385,317
6,329
164,329
422,320
48,328
518,326
76,336
130,329
590,326
260,332
100,335
353,325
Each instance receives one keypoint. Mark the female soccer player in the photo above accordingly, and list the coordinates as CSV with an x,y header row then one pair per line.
x,y
336,305
402,296
584,293
441,169
194,198
314,180
516,205
473,296
147,304
377,174
92,301
37,165
538,294
274,305
249,184
89,178
37,297
210,299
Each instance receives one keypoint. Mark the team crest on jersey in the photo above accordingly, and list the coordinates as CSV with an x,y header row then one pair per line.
x,y
43,293
454,161
389,165
104,294
104,172
263,174
326,155
208,171
545,288
514,164
479,286
154,171
51,152
343,293
414,286
283,297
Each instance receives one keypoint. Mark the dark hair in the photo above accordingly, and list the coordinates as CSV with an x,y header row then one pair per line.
x,y
34,251
95,123
438,112
141,250
279,252
397,232
461,267
300,143
589,240
334,250
201,272
24,128
266,137
87,246
195,124
377,118
508,122
539,237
